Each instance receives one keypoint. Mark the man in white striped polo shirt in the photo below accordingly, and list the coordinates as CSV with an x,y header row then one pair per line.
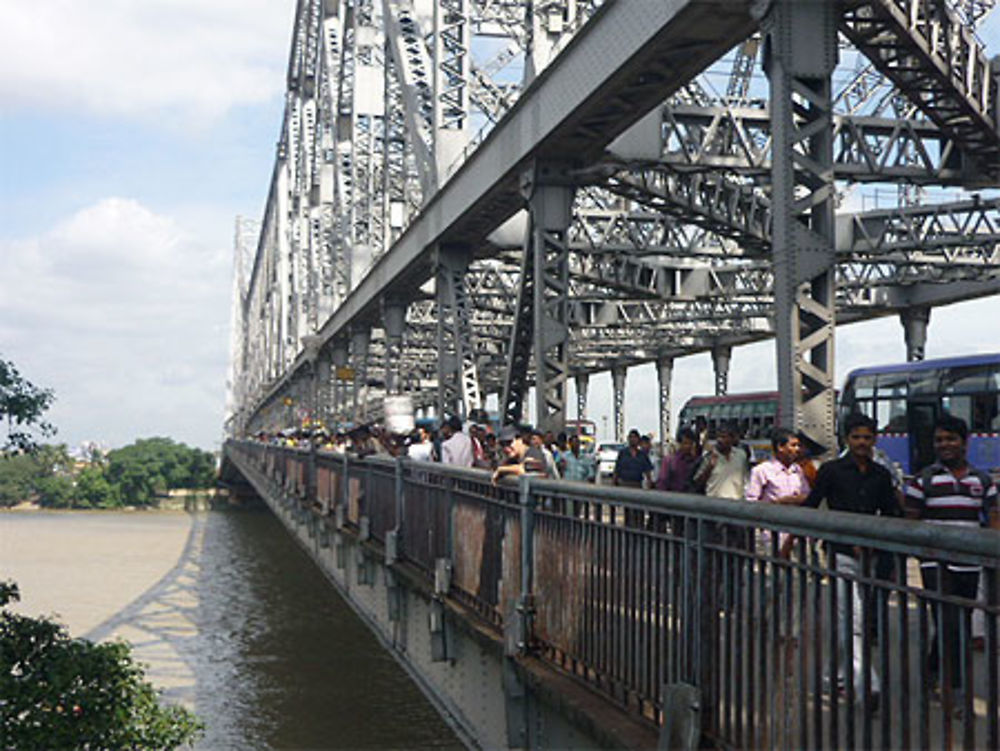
x,y
951,491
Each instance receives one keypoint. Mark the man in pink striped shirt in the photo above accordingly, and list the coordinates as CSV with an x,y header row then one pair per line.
x,y
779,480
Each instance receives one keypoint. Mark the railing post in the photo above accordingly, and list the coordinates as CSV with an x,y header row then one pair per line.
x,y
526,606
393,537
518,630
311,482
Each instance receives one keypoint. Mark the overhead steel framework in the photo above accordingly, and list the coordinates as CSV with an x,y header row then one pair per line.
x,y
473,197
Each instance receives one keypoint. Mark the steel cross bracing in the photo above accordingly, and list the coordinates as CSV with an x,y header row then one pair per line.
x,y
395,139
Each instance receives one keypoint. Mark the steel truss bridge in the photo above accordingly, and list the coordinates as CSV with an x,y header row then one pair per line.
x,y
471,197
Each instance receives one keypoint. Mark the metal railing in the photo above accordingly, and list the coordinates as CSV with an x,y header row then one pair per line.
x,y
638,592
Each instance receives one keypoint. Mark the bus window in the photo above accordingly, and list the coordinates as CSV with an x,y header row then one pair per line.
x,y
892,385
865,407
985,415
890,414
864,387
925,382
967,380
958,406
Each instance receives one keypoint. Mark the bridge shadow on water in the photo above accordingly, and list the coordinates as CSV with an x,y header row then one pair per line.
x,y
161,624
246,631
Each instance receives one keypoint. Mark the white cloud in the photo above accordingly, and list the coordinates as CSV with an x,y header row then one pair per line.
x,y
186,58
125,314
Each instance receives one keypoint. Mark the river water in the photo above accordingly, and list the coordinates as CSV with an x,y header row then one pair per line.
x,y
234,621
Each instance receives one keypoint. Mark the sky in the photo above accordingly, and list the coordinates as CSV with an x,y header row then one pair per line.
x,y
131,136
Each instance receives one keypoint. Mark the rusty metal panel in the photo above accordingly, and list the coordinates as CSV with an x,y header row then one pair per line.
x,y
470,530
561,579
354,499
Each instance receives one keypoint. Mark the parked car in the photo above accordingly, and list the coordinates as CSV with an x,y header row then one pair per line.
x,y
607,453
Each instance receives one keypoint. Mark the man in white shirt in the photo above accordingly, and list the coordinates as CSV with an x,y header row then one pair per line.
x,y
457,446
421,449
722,473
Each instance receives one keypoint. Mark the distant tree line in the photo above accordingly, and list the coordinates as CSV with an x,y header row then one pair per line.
x,y
131,476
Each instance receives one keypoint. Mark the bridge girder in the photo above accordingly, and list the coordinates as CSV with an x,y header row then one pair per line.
x,y
665,253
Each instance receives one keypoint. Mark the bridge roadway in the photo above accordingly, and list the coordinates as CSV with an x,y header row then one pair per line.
x,y
556,614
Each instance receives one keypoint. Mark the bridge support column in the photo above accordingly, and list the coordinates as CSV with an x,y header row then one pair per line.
x,y
721,357
618,376
915,322
582,383
664,373
540,315
323,380
394,321
360,341
310,398
800,56
339,360
549,206
458,379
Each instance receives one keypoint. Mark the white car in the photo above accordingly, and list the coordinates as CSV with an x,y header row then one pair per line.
x,y
606,455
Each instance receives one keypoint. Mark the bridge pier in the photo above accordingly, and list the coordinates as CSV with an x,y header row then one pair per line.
x,y
800,57
664,375
339,359
582,381
618,376
721,357
915,322
394,322
360,343
458,379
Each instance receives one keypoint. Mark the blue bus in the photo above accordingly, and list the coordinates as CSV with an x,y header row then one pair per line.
x,y
906,399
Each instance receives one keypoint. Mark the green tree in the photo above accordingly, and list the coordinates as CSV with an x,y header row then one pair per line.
x,y
152,466
17,475
43,475
94,491
55,491
66,693
22,405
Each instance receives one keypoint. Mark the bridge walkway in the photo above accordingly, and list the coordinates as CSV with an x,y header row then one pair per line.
x,y
650,600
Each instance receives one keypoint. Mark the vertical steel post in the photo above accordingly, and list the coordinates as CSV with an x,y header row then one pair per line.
x,y
394,322
360,341
915,322
664,373
550,200
800,56
618,375
582,382
339,360
721,357
458,377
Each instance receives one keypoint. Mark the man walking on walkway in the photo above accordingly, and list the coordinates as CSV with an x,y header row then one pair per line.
x,y
953,492
577,465
457,446
632,465
854,483
676,468
723,470
778,480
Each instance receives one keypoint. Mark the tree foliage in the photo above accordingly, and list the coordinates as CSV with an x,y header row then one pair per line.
x,y
59,692
22,405
131,476
155,465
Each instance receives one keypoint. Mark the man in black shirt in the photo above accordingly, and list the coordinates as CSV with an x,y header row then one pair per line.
x,y
854,483
632,465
